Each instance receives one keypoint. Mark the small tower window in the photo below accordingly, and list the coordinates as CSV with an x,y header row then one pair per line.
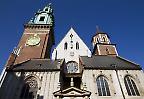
x,y
65,45
97,40
42,18
77,45
107,51
46,9
104,39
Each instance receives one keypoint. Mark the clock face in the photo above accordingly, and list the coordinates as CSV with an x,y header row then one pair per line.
x,y
33,40
72,67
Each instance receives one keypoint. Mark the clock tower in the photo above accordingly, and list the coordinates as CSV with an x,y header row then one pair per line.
x,y
38,36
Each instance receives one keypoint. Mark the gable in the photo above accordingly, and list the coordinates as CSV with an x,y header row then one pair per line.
x,y
72,91
71,53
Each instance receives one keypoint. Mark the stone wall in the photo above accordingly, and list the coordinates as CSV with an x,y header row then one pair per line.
x,y
47,84
89,78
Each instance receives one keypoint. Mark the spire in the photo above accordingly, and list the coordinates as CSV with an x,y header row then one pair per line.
x,y
98,30
100,37
102,45
48,8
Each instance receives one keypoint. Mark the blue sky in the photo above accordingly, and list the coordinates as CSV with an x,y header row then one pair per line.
x,y
123,20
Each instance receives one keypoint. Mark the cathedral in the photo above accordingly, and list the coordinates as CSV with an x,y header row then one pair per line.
x,y
71,71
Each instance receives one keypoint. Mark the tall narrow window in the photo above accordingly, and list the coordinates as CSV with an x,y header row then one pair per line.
x,y
102,85
131,86
107,51
97,40
77,45
29,89
65,45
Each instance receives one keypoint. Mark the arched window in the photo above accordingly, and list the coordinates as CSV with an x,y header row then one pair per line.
x,y
104,39
77,45
102,85
46,9
29,89
42,18
65,45
131,86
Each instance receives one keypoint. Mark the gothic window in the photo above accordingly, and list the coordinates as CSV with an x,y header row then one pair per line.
x,y
77,45
102,85
29,89
42,18
65,45
131,86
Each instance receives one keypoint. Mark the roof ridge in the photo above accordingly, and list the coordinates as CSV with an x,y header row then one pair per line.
x,y
127,60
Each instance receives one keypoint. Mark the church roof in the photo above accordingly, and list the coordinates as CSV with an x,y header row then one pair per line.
x,y
38,65
94,62
109,62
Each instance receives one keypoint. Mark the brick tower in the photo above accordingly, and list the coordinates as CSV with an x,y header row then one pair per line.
x,y
37,39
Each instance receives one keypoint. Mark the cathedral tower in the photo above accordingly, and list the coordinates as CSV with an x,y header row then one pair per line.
x,y
29,72
38,37
102,45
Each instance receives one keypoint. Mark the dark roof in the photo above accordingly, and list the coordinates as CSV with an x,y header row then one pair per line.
x,y
38,64
109,62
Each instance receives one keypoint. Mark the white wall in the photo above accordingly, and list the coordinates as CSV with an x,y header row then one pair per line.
x,y
48,82
61,53
89,77
138,77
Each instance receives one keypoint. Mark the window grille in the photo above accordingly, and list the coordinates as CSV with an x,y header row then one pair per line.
x,y
29,89
131,86
102,85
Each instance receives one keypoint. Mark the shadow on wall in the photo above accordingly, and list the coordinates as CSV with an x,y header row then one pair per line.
x,y
39,97
17,86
